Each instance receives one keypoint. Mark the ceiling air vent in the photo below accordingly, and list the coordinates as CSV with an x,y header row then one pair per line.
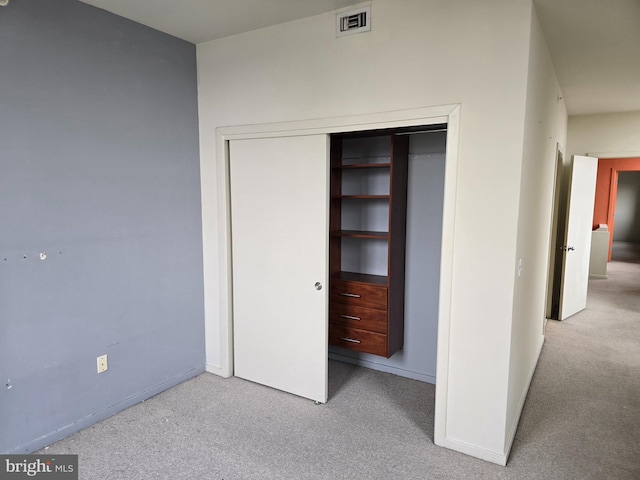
x,y
354,21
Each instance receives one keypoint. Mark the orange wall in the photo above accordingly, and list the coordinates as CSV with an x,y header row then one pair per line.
x,y
606,167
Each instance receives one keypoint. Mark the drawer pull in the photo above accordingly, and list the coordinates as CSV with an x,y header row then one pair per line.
x,y
352,295
347,339
349,317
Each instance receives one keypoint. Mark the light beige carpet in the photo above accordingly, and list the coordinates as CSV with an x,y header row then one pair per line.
x,y
581,419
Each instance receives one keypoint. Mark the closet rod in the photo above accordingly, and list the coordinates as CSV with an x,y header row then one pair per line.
x,y
422,131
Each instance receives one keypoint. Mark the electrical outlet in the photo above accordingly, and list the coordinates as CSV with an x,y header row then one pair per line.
x,y
102,364
519,267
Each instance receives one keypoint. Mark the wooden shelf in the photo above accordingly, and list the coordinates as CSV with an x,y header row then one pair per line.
x,y
373,303
361,277
360,234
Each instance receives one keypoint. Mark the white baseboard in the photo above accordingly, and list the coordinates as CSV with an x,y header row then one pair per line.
x,y
523,397
490,456
499,458
216,370
87,421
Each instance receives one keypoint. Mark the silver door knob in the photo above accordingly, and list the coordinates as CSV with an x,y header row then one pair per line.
x,y
318,286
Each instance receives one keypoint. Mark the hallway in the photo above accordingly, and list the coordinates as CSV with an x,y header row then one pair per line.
x,y
584,400
625,252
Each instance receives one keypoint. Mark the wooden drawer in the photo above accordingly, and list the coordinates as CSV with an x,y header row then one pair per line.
x,y
358,340
359,294
358,317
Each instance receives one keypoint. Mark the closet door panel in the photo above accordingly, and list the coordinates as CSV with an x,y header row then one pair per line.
x,y
279,224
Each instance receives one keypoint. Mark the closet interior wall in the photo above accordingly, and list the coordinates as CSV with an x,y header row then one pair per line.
x,y
417,359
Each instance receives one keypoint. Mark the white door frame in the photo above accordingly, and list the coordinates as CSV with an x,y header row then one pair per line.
x,y
449,114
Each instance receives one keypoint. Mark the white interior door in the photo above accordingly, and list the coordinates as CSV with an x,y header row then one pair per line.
x,y
577,248
279,226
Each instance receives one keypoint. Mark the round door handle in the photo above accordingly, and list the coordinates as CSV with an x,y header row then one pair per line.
x,y
318,286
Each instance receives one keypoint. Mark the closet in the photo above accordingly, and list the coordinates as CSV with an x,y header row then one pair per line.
x,y
285,265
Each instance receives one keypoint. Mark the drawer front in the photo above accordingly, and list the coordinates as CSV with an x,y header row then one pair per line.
x,y
359,294
358,340
358,317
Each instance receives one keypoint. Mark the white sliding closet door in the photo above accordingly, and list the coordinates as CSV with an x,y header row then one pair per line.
x,y
279,227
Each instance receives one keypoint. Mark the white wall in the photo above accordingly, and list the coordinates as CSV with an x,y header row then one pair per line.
x,y
604,135
545,128
419,53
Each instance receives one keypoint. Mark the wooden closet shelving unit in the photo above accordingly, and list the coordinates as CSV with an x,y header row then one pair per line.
x,y
366,311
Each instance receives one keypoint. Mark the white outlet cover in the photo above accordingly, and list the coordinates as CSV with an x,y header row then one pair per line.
x,y
103,365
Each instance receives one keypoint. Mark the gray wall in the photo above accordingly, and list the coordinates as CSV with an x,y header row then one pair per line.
x,y
627,219
425,201
99,171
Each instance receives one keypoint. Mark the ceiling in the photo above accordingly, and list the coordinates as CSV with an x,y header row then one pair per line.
x,y
595,47
594,44
199,21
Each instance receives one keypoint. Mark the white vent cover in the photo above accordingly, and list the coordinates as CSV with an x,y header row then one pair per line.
x,y
354,21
